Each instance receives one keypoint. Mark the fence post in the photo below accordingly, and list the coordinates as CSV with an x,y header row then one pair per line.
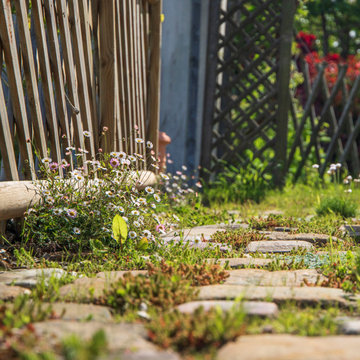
x,y
210,84
107,72
286,33
154,76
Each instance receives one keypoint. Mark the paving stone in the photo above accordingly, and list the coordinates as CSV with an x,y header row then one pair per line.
x,y
305,294
73,311
28,278
125,338
350,327
11,292
195,243
285,229
84,289
352,230
277,246
205,231
88,289
252,308
241,262
273,278
320,239
290,347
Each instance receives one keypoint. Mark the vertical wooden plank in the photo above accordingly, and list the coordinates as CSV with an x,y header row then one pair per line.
x,y
83,86
89,64
126,70
7,37
286,37
71,85
6,138
107,72
46,80
210,85
138,78
133,121
121,77
56,66
154,69
30,77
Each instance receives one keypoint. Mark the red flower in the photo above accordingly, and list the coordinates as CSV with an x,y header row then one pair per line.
x,y
305,42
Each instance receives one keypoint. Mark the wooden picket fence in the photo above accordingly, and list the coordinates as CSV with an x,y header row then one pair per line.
x,y
75,66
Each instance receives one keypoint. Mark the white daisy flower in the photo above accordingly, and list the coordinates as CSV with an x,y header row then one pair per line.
x,y
149,190
86,133
132,234
157,198
76,231
57,211
135,212
136,224
147,233
132,158
149,145
164,176
46,160
153,205
139,140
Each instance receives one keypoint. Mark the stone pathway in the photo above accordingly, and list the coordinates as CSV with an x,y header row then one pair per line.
x,y
262,291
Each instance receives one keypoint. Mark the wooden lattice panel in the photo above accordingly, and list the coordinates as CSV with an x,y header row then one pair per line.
x,y
242,100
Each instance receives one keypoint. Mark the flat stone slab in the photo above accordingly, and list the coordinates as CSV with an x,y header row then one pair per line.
x,y
290,347
88,289
259,277
28,278
81,312
277,246
194,243
251,308
277,294
205,231
241,262
11,292
320,239
125,338
350,327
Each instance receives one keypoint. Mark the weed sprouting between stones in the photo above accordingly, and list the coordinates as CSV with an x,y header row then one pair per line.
x,y
163,287
238,239
201,331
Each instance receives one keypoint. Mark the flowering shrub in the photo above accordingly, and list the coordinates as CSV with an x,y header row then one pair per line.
x,y
306,44
76,213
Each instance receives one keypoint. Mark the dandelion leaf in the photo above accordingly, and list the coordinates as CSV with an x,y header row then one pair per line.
x,y
119,228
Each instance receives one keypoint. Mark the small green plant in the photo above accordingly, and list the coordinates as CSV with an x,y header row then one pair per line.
x,y
198,275
198,332
272,221
21,312
238,239
70,348
158,292
337,205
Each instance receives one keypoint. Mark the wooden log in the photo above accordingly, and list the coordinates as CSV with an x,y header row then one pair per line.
x,y
18,196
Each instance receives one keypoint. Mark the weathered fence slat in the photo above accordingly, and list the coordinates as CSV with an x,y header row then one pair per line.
x,y
7,35
154,70
6,140
51,117
56,65
107,72
30,77
76,66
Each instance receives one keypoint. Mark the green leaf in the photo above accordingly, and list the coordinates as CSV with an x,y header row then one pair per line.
x,y
119,228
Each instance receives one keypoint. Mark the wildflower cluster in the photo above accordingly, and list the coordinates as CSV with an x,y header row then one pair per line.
x,y
77,212
178,186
